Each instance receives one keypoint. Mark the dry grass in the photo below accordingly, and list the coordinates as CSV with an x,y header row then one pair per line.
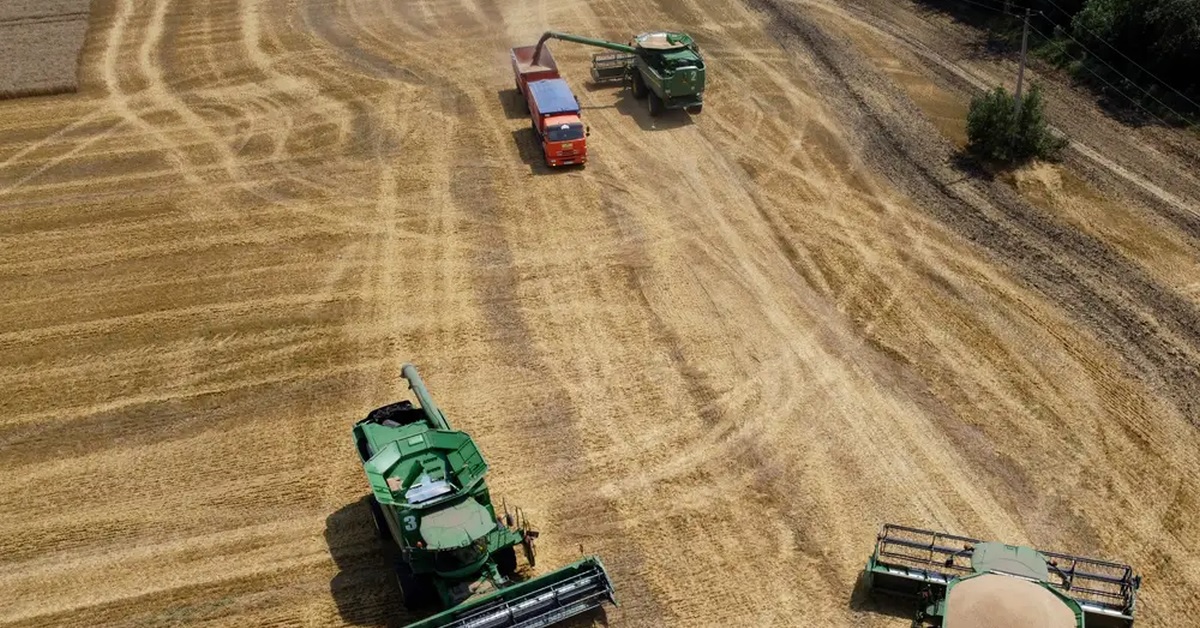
x,y
719,357
39,46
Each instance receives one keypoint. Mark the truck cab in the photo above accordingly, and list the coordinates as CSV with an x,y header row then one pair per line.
x,y
557,123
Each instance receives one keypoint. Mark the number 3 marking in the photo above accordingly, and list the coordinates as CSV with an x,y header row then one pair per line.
x,y
410,523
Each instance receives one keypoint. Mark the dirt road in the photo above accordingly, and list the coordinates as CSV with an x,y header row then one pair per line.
x,y
720,357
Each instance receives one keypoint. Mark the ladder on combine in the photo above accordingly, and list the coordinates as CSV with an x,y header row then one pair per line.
x,y
910,562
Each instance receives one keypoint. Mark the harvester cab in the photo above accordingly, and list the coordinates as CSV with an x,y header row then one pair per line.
x,y
663,67
955,579
453,551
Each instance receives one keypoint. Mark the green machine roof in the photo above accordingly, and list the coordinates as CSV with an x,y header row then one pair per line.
x,y
663,40
424,468
1018,561
456,526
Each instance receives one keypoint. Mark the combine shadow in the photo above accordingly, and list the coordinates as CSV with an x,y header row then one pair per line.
x,y
862,602
640,112
364,587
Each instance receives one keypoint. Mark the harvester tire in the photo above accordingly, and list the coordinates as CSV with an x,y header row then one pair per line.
x,y
506,561
418,591
656,105
381,528
639,86
695,110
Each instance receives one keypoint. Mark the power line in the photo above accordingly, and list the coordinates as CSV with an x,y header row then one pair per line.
x,y
1106,82
1120,74
1114,48
1084,65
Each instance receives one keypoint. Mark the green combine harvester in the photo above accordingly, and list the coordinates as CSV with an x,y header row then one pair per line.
x,y
958,582
665,68
454,553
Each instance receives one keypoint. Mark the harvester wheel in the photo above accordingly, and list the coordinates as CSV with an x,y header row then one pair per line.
x,y
695,110
656,105
381,528
506,561
418,591
639,86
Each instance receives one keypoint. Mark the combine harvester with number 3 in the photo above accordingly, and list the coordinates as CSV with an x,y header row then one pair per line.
x,y
454,554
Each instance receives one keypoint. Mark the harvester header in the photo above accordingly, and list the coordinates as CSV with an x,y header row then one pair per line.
x,y
949,576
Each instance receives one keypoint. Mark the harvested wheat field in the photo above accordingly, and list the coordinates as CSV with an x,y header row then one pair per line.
x,y
40,42
719,357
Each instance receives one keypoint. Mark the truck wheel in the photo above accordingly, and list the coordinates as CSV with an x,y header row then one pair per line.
x,y
695,110
656,105
639,86
381,527
506,561
418,590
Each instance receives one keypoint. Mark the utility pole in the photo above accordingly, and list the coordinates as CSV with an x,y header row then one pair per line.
x,y
1021,71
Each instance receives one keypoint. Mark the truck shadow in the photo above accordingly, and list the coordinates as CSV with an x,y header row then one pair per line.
x,y
512,103
862,602
364,587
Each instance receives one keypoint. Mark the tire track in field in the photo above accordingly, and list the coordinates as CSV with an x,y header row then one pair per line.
x,y
121,102
1176,205
1093,284
1160,336
708,191
485,210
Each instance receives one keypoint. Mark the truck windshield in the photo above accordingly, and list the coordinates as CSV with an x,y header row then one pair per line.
x,y
565,132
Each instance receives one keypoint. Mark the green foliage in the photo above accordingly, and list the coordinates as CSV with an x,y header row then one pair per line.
x,y
1158,42
1176,46
996,133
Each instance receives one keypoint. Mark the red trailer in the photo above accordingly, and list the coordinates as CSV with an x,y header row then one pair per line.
x,y
552,107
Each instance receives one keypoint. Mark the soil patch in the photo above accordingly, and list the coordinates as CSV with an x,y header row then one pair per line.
x,y
40,44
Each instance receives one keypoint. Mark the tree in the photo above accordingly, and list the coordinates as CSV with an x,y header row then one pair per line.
x,y
995,132
1175,46
1157,40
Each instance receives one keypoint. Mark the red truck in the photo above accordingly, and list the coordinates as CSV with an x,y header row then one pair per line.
x,y
552,106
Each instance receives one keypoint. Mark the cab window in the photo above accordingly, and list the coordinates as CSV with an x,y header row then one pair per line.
x,y
565,132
